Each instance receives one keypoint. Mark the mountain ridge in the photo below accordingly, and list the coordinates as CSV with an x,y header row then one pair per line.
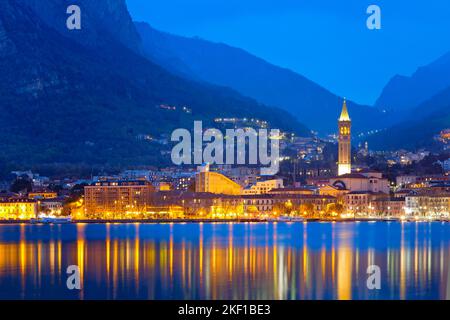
x,y
65,100
405,93
252,76
418,130
419,106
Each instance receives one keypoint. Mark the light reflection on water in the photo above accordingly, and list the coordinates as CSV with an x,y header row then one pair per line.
x,y
226,261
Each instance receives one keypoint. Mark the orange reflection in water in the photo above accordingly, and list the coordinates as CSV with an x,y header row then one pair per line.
x,y
223,261
345,264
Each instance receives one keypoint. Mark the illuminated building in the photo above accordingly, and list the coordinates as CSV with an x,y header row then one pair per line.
x,y
403,193
183,181
42,195
51,206
430,179
165,204
317,203
19,209
345,151
285,191
199,205
428,205
439,188
266,204
243,176
364,149
5,196
361,182
244,180
261,204
109,198
212,205
318,181
360,202
164,186
213,182
262,187
129,175
220,206
387,207
445,134
446,166
334,191
431,184
405,180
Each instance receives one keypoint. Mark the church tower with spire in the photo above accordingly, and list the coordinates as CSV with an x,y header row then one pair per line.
x,y
345,149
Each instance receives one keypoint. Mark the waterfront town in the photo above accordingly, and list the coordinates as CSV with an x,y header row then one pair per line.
x,y
311,185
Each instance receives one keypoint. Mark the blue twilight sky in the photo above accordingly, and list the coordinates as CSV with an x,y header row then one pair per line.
x,y
325,40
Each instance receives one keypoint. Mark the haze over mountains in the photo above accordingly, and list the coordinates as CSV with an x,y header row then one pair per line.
x,y
422,123
410,110
84,96
235,68
404,93
403,105
421,105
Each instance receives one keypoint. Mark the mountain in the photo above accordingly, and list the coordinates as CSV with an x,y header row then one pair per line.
x,y
405,93
103,22
85,96
235,68
419,105
423,123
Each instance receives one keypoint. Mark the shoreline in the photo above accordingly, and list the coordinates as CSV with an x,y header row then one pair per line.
x,y
183,221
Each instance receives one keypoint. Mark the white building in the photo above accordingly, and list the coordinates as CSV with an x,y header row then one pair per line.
x,y
263,187
357,182
427,205
51,206
402,181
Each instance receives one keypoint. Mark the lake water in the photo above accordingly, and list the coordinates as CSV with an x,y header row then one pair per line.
x,y
226,260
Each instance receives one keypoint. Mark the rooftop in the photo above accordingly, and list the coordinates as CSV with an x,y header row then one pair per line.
x,y
344,114
292,189
18,201
367,192
352,176
115,183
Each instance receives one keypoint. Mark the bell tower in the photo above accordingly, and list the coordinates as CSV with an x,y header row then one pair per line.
x,y
345,149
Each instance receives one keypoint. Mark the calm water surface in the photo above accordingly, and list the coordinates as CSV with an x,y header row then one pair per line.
x,y
226,261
